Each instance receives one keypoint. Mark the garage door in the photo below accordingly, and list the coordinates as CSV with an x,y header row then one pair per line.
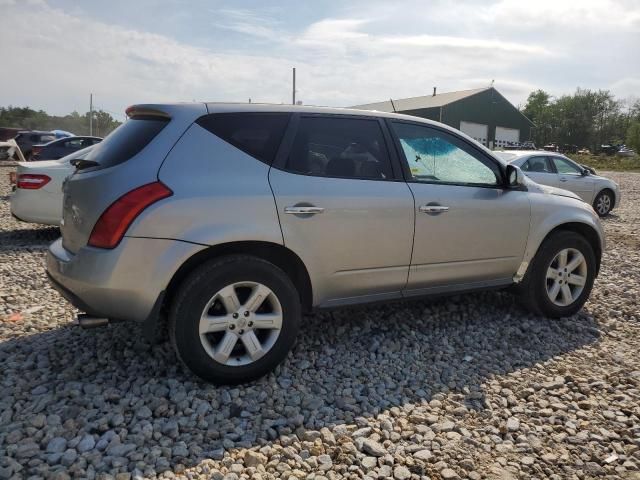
x,y
477,131
505,136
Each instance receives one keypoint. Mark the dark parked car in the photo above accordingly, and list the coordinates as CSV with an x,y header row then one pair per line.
x,y
62,147
26,139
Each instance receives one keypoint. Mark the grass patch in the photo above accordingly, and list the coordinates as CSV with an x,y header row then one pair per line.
x,y
604,162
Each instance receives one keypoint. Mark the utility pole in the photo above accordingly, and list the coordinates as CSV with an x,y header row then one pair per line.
x,y
294,86
91,114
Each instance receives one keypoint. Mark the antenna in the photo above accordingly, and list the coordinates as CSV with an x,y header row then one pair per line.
x,y
392,105
294,87
91,114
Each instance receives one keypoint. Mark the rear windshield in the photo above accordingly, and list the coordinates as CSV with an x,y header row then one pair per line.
x,y
126,141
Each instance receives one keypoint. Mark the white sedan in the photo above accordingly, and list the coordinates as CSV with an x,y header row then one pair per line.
x,y
38,194
556,170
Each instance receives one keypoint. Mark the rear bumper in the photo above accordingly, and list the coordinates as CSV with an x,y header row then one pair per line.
x,y
37,206
124,283
69,296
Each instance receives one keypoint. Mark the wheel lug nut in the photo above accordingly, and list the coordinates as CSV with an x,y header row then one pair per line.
x,y
241,332
235,315
246,314
251,324
232,327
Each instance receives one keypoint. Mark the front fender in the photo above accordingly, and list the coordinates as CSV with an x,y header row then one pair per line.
x,y
574,215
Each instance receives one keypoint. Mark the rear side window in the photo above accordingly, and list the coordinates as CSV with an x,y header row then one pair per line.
x,y
537,165
340,147
257,134
126,141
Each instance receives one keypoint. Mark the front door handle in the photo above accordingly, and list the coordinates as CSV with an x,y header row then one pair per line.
x,y
433,209
303,210
562,179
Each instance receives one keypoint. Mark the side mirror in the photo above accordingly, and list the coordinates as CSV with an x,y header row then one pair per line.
x,y
515,177
587,170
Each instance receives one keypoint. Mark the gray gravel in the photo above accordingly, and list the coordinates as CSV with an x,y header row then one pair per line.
x,y
465,387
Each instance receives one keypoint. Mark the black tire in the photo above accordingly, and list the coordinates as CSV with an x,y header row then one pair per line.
x,y
532,291
198,289
603,203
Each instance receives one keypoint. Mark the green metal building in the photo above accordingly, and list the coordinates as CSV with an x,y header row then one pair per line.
x,y
483,114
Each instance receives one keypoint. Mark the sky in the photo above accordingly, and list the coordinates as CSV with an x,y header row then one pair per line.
x,y
54,53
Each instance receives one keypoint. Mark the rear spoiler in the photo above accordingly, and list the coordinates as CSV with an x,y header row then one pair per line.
x,y
142,111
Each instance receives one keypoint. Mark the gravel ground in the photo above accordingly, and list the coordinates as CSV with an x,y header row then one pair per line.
x,y
465,387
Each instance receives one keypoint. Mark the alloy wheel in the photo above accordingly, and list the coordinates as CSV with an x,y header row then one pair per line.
x,y
566,277
240,323
603,205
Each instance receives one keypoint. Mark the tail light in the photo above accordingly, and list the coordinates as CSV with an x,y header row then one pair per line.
x,y
116,219
30,181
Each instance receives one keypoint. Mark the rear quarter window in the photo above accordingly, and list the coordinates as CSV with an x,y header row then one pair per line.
x,y
257,134
126,141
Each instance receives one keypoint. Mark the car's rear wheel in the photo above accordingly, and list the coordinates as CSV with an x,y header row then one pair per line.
x,y
603,203
560,277
234,319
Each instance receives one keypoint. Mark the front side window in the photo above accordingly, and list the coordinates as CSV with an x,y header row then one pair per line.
x,y
565,167
257,134
538,164
340,147
434,156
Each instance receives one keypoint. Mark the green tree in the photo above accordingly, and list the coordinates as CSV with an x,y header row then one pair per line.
x,y
586,119
537,109
633,136
29,119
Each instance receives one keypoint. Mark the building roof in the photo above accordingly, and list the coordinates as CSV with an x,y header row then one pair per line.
x,y
416,103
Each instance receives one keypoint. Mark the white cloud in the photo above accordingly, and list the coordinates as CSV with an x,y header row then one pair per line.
x,y
593,14
247,22
57,57
348,33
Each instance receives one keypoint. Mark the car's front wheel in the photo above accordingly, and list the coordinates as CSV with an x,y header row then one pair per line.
x,y
234,319
603,203
560,277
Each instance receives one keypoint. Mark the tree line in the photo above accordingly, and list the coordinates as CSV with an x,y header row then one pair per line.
x,y
29,119
586,119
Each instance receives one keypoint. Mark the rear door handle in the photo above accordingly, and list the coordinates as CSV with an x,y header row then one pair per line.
x,y
303,210
433,209
563,179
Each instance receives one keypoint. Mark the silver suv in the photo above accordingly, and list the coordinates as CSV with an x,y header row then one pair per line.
x,y
231,221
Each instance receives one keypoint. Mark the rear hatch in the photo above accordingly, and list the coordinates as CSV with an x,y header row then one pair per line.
x,y
126,159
